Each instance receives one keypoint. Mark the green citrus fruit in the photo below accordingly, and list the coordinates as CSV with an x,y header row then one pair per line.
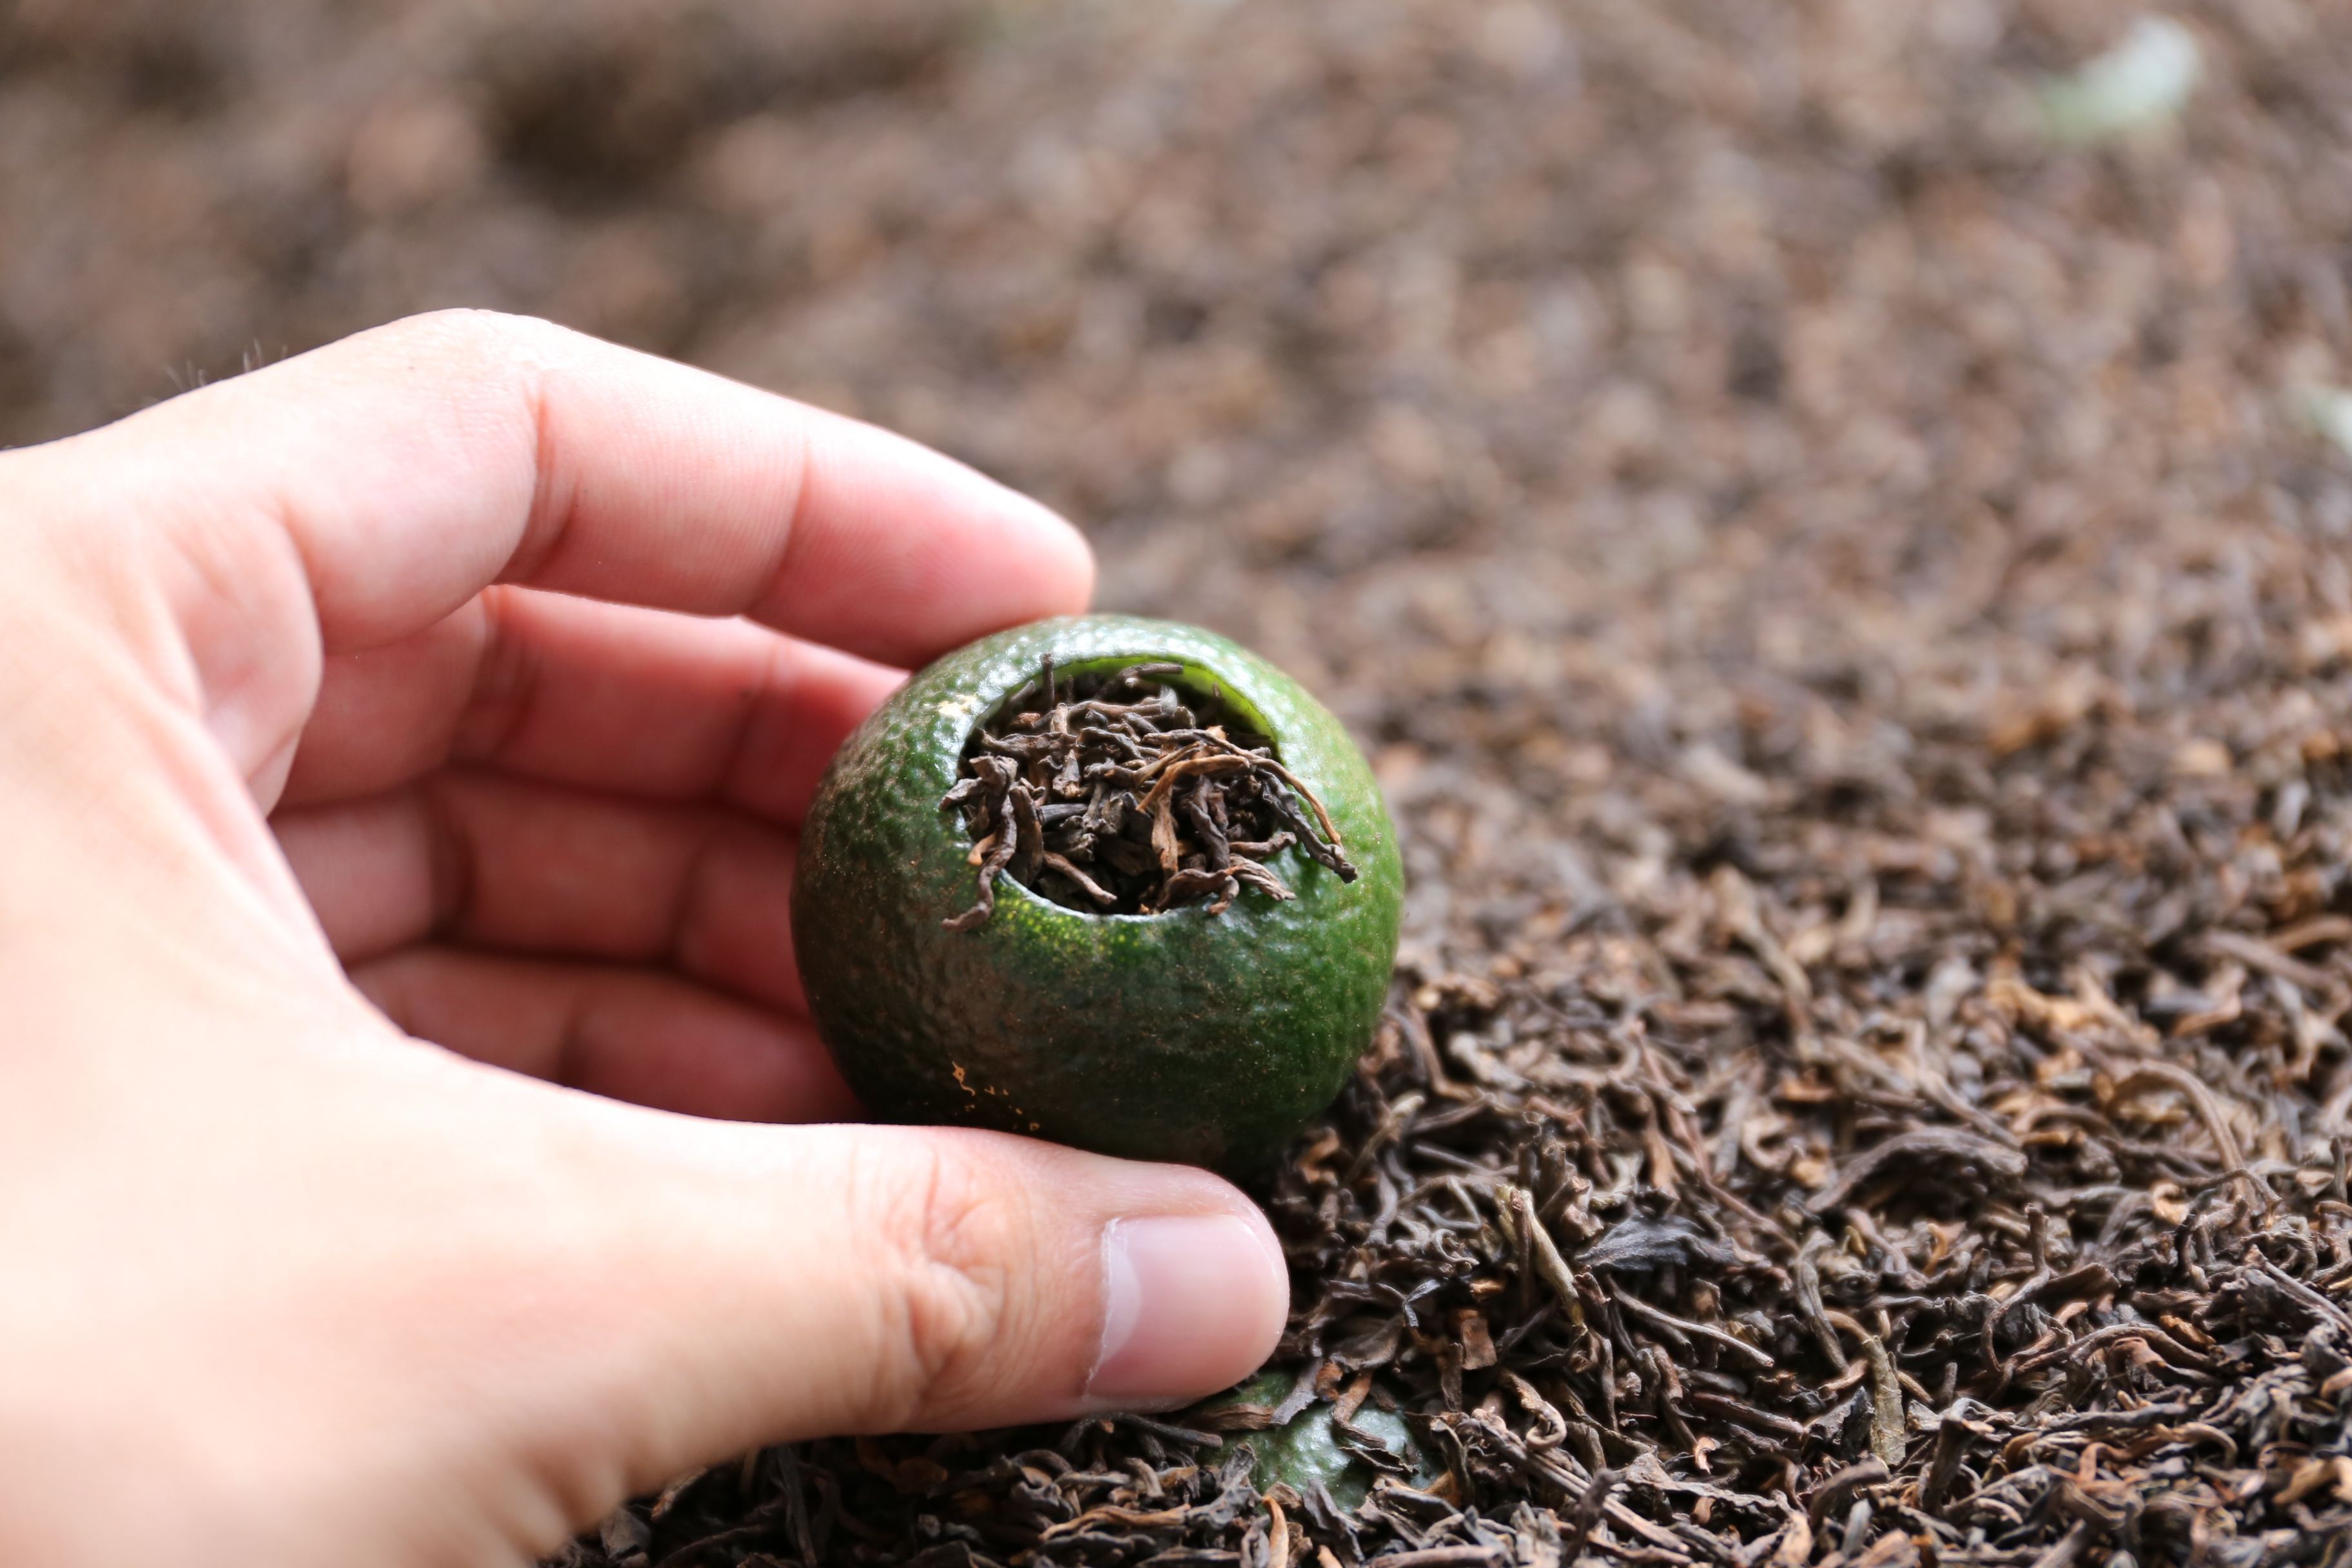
x,y
1209,1039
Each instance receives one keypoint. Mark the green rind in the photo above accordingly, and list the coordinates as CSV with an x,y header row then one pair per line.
x,y
1207,1039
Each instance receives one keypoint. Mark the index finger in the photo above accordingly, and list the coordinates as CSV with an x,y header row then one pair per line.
x,y
412,466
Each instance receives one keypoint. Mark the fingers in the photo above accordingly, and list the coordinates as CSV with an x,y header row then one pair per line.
x,y
477,859
868,1279
651,1039
386,479
607,697
415,464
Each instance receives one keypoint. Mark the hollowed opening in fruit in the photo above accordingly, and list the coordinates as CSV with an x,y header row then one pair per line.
x,y
1130,788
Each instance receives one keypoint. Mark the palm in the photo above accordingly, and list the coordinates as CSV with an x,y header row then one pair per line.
x,y
559,835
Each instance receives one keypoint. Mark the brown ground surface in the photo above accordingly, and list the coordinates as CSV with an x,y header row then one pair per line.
x,y
1855,633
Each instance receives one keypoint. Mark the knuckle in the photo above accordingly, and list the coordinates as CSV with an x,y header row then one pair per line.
x,y
507,354
957,1238
469,332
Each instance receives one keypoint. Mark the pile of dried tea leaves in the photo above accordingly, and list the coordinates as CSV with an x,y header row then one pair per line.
x,y
1114,792
1635,1310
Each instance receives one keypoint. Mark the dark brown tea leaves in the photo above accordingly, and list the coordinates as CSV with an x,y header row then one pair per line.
x,y
1121,794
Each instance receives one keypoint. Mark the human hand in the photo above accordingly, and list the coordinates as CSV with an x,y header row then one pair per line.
x,y
378,696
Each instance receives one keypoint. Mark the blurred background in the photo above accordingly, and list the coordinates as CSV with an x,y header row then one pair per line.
x,y
1850,442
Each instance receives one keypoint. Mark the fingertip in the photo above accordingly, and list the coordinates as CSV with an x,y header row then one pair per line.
x,y
900,552
1066,561
1111,1284
1189,1289
1191,1303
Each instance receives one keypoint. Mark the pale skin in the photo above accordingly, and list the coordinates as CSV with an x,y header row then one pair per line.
x,y
402,750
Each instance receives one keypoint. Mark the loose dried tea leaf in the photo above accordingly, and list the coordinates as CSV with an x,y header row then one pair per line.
x,y
1667,1241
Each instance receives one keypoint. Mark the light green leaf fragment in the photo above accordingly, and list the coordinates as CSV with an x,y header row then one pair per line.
x,y
1307,1449
2329,411
2142,81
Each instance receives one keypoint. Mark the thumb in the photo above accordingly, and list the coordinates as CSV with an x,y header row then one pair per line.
x,y
765,1284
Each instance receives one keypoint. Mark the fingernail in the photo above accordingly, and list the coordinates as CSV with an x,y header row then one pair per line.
x,y
1191,1303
